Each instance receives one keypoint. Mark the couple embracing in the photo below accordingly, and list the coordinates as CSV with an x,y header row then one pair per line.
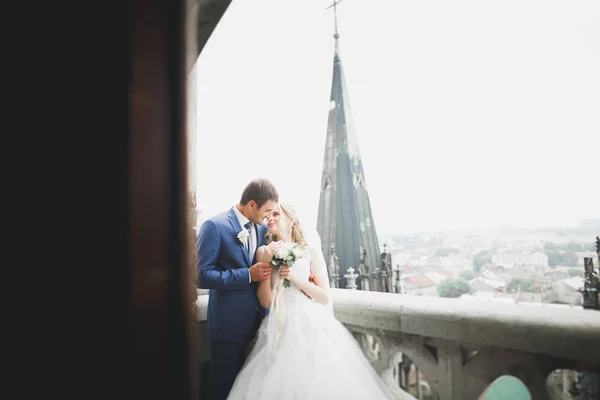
x,y
272,332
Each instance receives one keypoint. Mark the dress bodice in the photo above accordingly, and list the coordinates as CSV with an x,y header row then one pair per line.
x,y
293,294
302,267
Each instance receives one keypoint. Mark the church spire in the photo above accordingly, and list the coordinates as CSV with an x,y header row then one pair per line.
x,y
336,35
345,220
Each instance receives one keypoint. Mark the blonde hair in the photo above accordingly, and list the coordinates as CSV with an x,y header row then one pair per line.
x,y
297,234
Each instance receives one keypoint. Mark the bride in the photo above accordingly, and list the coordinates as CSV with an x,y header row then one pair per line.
x,y
302,351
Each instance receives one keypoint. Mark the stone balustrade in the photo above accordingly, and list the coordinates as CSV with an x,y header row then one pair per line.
x,y
461,346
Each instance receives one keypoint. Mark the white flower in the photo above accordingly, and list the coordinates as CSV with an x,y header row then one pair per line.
x,y
298,253
243,236
281,253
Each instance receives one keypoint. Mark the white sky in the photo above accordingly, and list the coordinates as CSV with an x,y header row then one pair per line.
x,y
469,114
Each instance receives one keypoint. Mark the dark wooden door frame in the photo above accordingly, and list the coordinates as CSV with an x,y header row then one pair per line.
x,y
162,323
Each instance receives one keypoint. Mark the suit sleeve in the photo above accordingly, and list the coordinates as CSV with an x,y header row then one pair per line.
x,y
210,274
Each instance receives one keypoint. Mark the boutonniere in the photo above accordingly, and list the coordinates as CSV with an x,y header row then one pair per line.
x,y
243,236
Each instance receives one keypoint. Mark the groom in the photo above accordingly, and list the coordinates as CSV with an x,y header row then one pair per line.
x,y
226,265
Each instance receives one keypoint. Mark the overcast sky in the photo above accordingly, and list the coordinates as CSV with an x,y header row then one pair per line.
x,y
468,114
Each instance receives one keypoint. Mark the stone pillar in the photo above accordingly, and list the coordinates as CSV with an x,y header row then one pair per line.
x,y
351,279
374,279
591,285
363,271
419,388
405,366
334,269
598,249
399,280
386,271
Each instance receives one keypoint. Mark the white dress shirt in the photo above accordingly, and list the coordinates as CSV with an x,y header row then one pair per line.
x,y
243,221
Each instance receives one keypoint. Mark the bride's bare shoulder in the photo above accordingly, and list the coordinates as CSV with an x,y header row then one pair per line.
x,y
261,253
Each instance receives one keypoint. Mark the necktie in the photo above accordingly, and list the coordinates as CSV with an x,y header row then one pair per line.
x,y
251,240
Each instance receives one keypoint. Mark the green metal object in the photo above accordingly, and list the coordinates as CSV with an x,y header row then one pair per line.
x,y
506,388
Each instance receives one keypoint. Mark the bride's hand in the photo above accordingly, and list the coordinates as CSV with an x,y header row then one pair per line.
x,y
286,272
271,248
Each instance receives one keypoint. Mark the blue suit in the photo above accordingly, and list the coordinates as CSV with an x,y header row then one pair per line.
x,y
234,313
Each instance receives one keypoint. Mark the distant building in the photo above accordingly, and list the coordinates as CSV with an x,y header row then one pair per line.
x,y
558,272
481,284
512,259
541,282
567,290
424,283
488,297
420,285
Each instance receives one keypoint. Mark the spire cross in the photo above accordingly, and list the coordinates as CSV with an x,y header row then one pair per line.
x,y
334,5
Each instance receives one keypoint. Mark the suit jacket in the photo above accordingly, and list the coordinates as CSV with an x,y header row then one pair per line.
x,y
234,312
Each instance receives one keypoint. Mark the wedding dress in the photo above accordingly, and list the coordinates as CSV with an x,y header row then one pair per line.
x,y
302,352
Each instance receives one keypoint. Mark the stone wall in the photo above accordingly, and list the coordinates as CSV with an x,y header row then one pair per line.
x,y
461,347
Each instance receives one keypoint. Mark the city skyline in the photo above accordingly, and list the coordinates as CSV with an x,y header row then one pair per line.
x,y
455,130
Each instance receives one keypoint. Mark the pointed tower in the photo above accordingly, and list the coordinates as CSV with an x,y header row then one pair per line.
x,y
344,221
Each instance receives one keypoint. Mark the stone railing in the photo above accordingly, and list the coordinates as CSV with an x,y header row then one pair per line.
x,y
460,346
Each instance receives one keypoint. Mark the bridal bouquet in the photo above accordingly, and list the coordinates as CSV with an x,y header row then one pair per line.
x,y
287,255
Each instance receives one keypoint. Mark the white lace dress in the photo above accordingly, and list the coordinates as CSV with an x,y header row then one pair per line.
x,y
303,352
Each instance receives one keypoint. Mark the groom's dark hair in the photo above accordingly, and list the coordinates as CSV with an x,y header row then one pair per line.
x,y
260,190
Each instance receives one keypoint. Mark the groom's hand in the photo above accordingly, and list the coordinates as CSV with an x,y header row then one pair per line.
x,y
260,271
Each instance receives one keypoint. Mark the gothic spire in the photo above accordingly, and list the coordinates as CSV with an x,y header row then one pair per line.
x,y
345,220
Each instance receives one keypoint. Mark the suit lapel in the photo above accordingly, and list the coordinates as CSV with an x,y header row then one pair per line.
x,y
235,223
